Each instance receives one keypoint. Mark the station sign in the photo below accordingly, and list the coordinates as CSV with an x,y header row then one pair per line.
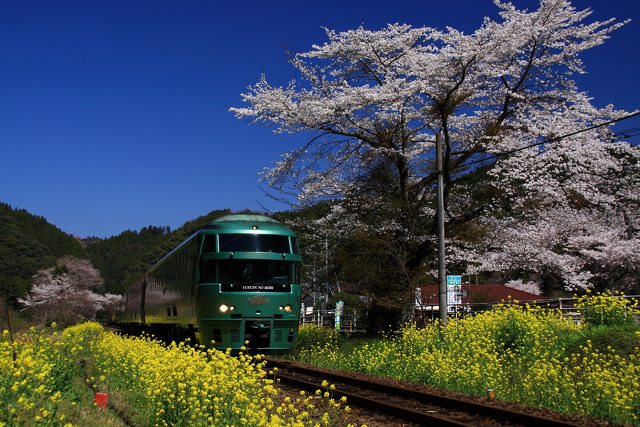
x,y
454,290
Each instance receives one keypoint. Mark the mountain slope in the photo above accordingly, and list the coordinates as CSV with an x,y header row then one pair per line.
x,y
123,258
29,243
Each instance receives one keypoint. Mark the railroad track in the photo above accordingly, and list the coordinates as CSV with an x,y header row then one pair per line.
x,y
409,405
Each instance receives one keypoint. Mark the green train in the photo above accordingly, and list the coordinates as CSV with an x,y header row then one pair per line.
x,y
233,283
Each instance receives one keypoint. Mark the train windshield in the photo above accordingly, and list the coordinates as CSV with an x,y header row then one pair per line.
x,y
252,271
253,243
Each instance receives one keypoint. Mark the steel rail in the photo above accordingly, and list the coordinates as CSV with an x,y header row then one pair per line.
x,y
377,405
490,411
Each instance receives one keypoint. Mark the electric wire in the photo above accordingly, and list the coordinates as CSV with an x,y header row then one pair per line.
x,y
616,137
556,139
626,134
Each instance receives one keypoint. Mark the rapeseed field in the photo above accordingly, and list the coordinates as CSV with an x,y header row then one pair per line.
x,y
524,354
49,378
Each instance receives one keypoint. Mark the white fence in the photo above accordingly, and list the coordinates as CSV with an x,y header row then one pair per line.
x,y
567,307
350,321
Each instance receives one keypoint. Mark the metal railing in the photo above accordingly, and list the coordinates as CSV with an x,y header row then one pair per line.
x,y
350,321
356,320
567,306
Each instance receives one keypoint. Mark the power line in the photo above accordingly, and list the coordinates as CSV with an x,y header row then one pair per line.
x,y
626,134
617,136
555,139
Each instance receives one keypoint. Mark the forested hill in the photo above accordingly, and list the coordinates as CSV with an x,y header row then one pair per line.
x,y
123,258
29,243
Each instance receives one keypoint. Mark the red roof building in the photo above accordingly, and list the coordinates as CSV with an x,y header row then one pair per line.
x,y
427,297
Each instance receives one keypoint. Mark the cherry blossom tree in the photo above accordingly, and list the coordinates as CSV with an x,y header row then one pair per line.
x,y
372,102
68,293
531,286
575,248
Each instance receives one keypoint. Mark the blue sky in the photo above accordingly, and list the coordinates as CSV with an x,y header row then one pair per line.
x,y
114,114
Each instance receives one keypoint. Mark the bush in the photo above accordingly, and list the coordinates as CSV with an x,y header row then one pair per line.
x,y
607,309
621,340
310,336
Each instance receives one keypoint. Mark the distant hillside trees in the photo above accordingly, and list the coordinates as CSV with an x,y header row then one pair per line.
x,y
371,103
68,293
29,243
122,259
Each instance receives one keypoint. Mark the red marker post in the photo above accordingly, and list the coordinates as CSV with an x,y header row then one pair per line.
x,y
101,400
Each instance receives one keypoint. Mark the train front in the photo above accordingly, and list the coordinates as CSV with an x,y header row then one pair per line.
x,y
249,290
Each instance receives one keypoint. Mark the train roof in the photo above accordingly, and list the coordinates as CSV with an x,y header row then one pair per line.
x,y
242,223
245,218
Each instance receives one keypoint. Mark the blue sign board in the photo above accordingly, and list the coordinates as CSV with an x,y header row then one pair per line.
x,y
454,290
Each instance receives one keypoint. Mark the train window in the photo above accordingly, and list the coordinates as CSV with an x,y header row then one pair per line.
x,y
254,271
296,272
209,243
253,243
207,271
294,245
168,311
175,310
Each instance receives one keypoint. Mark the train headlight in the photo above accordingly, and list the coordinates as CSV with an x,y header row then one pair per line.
x,y
287,308
224,308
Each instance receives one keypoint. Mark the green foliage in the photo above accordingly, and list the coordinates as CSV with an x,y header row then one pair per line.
x,y
511,334
607,309
29,243
350,301
315,342
622,340
124,258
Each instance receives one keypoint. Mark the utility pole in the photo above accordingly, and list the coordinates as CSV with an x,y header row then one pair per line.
x,y
326,263
442,271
